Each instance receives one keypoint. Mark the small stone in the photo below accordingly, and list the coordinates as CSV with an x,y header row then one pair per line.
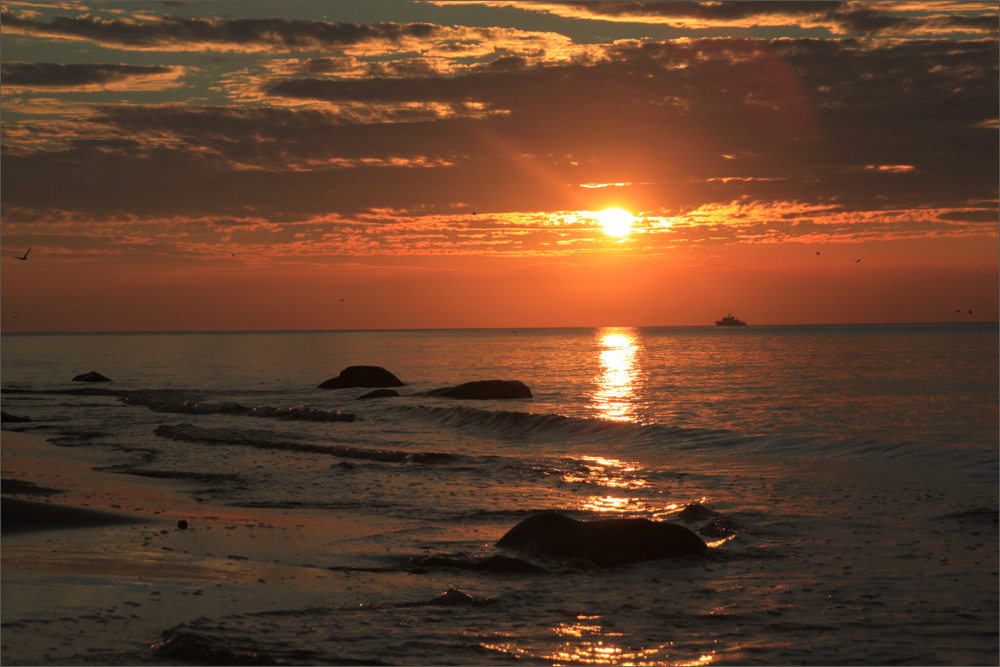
x,y
182,524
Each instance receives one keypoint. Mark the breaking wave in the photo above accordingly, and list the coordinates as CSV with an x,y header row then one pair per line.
x,y
659,438
227,436
189,407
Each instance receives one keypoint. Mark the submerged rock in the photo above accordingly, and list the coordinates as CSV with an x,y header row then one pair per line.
x,y
92,376
697,512
606,542
362,376
378,393
485,390
452,597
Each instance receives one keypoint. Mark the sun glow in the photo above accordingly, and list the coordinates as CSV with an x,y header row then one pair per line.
x,y
616,222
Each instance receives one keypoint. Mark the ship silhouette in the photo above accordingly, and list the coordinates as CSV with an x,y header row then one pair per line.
x,y
730,321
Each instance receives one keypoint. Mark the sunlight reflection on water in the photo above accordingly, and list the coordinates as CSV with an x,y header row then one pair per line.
x,y
599,652
616,385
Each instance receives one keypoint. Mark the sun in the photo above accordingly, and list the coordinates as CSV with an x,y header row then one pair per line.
x,y
616,222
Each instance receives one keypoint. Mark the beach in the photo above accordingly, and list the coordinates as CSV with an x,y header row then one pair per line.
x,y
104,568
852,521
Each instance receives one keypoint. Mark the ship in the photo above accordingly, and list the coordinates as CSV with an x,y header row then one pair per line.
x,y
730,321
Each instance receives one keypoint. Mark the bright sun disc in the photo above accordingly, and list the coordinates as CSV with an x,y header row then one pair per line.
x,y
616,222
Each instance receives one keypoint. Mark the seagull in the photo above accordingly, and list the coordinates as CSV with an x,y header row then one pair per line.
x,y
817,252
858,260
25,255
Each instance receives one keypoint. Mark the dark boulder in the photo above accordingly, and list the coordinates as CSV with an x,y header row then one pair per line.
x,y
378,393
7,418
606,542
362,376
485,390
92,376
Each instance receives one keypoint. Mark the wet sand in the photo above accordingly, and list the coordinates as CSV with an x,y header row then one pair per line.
x,y
94,562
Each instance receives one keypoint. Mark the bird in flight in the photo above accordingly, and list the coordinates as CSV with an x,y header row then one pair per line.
x,y
25,255
858,260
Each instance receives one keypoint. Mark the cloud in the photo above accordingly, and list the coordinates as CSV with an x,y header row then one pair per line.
x,y
313,239
87,77
861,18
169,33
690,123
278,35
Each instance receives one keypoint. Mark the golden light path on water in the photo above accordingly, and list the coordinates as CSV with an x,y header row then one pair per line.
x,y
616,385
599,652
614,399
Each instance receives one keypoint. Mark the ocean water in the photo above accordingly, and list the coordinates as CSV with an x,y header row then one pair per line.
x,y
845,478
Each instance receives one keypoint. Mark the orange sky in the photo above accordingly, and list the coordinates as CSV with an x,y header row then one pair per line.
x,y
242,166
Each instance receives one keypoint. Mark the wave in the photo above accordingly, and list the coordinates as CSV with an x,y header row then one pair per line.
x,y
660,438
190,403
227,436
157,403
540,426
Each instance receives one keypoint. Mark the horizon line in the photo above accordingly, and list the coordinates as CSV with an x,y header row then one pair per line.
x,y
613,326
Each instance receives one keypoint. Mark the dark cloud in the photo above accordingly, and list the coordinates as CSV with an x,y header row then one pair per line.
x,y
173,33
55,75
702,121
326,65
839,17
704,11
407,67
505,64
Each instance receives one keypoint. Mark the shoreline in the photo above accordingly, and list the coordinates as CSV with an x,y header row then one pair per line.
x,y
102,566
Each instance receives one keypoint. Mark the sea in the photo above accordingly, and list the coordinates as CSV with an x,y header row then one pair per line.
x,y
845,478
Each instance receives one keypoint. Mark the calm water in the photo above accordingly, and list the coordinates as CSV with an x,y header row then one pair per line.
x,y
855,465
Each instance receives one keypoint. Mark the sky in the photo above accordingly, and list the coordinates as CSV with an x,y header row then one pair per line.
x,y
223,166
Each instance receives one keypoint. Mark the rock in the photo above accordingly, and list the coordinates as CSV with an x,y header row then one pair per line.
x,y
378,393
362,376
7,418
182,524
485,390
697,512
92,376
606,542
